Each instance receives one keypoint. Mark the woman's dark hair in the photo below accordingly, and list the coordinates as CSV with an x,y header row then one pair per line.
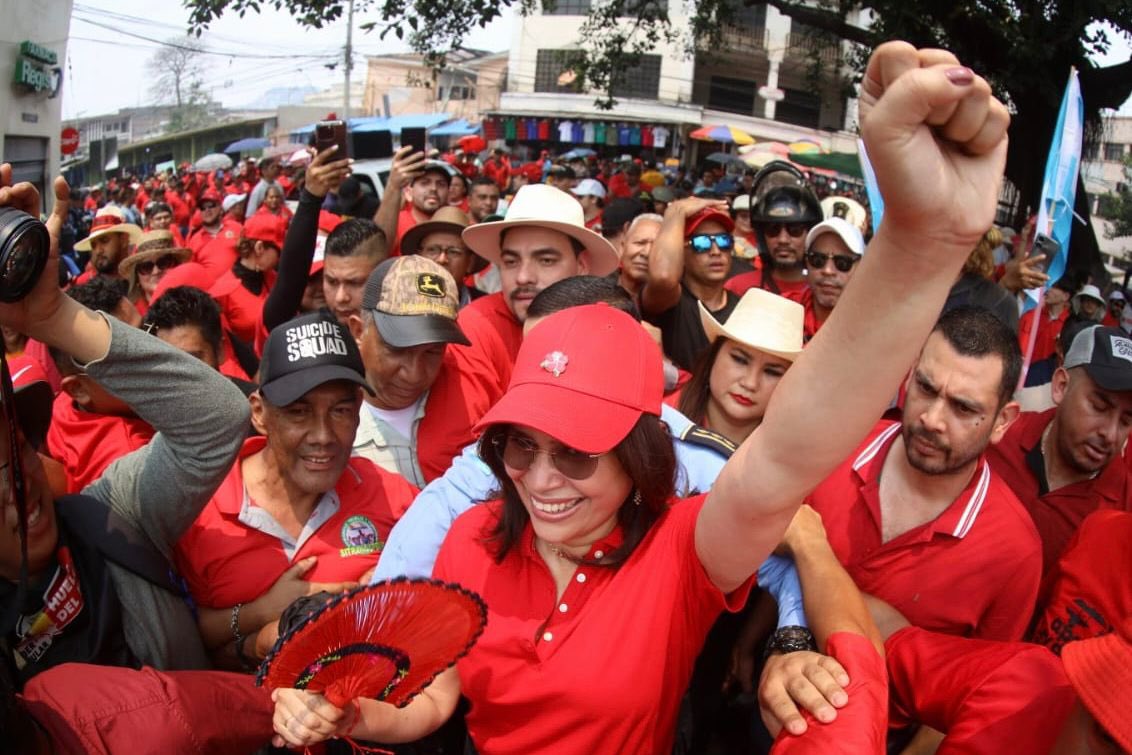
x,y
645,454
696,394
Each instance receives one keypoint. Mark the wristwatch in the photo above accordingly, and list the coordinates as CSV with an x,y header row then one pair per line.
x,y
790,640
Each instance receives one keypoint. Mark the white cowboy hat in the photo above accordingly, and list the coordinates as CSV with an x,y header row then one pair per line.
x,y
762,320
544,206
1089,291
109,220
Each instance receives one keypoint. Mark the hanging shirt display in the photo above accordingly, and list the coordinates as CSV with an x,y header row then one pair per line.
x,y
589,133
660,137
565,131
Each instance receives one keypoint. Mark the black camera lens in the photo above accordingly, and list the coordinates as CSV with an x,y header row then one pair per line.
x,y
24,247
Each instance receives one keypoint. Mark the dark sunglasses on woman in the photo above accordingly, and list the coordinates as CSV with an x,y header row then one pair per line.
x,y
164,262
519,453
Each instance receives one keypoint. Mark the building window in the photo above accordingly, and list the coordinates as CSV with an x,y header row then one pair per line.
x,y
455,93
641,81
800,108
1092,151
732,95
1113,151
567,8
751,17
553,72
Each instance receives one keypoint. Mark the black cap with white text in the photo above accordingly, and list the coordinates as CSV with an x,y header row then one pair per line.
x,y
303,353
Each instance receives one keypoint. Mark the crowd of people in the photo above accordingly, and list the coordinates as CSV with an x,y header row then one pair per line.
x,y
730,471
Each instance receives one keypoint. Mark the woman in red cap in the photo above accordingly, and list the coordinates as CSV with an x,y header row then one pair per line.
x,y
601,587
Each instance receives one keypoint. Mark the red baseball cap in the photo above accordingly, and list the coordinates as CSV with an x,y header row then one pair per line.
x,y
266,227
1100,669
33,396
584,376
210,195
695,221
189,274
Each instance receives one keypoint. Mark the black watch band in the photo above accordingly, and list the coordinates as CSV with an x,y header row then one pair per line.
x,y
790,640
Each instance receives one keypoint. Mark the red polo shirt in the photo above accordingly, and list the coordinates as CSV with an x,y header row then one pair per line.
x,y
792,290
812,322
405,220
1088,592
1017,458
242,309
990,697
87,443
862,725
972,571
603,668
218,255
201,237
496,337
226,562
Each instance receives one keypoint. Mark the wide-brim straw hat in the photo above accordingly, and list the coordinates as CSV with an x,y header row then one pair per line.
x,y
762,320
152,246
543,206
447,219
109,220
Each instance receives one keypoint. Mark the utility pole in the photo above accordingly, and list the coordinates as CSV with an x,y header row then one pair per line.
x,y
349,59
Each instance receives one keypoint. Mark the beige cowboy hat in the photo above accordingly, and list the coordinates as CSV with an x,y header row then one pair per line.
x,y
153,245
447,219
543,206
762,320
109,220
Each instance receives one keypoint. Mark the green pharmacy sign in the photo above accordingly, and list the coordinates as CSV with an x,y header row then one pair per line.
x,y
31,72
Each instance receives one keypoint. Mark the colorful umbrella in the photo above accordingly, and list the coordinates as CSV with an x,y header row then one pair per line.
x,y
759,158
804,148
578,152
777,148
722,134
385,641
722,158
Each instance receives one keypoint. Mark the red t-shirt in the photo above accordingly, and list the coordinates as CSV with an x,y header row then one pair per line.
x,y
1088,592
456,402
405,221
240,306
861,727
990,697
86,443
792,290
812,322
972,571
202,237
1048,331
495,337
218,255
1056,513
603,668
226,562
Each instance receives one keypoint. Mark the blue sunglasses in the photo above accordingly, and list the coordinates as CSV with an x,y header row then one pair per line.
x,y
701,242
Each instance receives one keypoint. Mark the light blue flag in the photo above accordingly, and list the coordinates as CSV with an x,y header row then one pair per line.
x,y
1059,189
876,201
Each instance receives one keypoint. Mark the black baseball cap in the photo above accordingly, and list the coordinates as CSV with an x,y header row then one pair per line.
x,y
1106,355
303,353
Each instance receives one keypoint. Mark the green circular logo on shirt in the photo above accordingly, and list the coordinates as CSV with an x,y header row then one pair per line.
x,y
360,537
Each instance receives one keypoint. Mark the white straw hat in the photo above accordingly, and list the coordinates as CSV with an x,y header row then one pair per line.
x,y
762,320
543,206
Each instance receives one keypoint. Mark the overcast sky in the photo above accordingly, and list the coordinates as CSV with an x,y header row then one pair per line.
x,y
106,68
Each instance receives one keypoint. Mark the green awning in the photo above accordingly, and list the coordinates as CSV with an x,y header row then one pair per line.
x,y
845,163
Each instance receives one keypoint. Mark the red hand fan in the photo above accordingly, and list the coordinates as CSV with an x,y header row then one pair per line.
x,y
385,641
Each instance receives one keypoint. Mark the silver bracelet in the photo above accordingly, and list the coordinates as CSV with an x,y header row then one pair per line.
x,y
234,624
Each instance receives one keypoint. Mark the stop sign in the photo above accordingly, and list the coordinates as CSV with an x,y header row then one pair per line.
x,y
69,141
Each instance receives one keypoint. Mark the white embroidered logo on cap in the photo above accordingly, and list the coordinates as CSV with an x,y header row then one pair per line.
x,y
555,363
1121,347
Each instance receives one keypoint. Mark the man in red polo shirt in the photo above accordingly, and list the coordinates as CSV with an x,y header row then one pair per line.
x,y
917,517
833,249
422,410
296,514
781,218
1063,463
542,240
212,222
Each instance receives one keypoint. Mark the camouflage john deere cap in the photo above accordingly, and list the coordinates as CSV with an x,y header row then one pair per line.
x,y
414,302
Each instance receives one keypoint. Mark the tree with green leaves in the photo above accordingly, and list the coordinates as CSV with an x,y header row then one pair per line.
x,y
1024,47
176,78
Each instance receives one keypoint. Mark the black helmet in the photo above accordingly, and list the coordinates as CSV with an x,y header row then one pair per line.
x,y
780,194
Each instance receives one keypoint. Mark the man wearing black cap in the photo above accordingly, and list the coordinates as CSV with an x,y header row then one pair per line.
x,y
419,405
296,514
427,181
1063,463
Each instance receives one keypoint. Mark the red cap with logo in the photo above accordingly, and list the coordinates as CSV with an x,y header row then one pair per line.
x,y
210,195
695,221
584,376
266,227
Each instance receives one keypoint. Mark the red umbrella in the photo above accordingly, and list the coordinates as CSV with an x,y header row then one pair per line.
x,y
472,143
